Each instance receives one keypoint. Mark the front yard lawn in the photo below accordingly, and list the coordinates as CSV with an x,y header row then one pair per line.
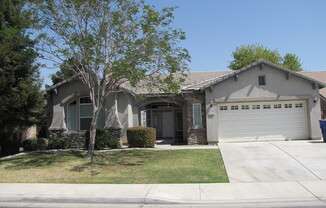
x,y
131,166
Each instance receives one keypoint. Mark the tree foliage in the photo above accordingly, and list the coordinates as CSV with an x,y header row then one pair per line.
x,y
111,43
248,54
292,61
64,72
21,101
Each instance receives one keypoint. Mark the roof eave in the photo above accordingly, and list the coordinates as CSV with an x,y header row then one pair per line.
x,y
228,76
61,83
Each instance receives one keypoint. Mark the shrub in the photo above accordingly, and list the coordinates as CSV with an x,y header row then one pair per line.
x,y
113,144
141,136
58,143
29,144
10,138
102,140
42,143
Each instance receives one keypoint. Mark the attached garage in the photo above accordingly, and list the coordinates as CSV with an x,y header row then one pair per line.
x,y
262,102
262,121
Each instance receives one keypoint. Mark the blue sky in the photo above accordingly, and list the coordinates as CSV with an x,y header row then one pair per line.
x,y
214,28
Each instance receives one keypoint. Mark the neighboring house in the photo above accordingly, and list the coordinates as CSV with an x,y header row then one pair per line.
x,y
259,102
320,76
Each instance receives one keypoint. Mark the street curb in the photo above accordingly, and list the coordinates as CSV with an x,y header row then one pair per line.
x,y
141,200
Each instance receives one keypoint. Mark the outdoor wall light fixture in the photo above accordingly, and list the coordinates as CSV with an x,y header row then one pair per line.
x,y
211,103
315,99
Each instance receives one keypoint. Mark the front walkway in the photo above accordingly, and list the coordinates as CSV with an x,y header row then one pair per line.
x,y
275,161
163,145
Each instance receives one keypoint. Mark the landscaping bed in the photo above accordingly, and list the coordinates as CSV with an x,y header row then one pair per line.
x,y
116,167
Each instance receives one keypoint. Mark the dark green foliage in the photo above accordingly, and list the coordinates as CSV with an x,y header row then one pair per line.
x,y
64,73
21,101
112,144
248,54
29,144
58,143
292,61
141,136
35,144
100,139
103,139
42,143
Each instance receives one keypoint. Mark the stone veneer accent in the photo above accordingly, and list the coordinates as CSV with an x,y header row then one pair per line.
x,y
195,136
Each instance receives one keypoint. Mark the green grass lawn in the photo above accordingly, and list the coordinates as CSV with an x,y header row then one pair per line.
x,y
132,166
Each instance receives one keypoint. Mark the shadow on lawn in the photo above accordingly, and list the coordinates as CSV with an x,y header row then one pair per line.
x,y
112,159
40,159
105,159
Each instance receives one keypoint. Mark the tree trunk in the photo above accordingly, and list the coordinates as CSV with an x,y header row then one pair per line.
x,y
92,135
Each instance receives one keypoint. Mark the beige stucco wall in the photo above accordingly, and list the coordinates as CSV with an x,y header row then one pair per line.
x,y
60,99
246,89
116,107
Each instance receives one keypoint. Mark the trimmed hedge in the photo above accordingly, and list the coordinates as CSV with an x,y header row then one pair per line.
x,y
102,140
112,144
141,136
58,143
35,144
29,144
42,143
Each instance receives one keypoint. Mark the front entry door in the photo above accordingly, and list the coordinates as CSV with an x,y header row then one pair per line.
x,y
167,125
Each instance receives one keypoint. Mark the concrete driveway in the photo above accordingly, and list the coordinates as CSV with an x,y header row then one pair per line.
x,y
275,161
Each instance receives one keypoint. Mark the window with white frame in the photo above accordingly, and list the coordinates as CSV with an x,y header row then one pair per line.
x,y
277,106
79,115
223,107
267,106
85,113
255,107
197,114
245,107
298,105
287,105
234,107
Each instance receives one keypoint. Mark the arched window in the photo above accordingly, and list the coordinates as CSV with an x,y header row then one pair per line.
x,y
79,115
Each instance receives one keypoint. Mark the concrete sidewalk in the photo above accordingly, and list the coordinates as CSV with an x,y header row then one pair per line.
x,y
273,193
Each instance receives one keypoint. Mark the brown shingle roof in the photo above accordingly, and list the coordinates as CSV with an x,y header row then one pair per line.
x,y
317,75
193,81
197,80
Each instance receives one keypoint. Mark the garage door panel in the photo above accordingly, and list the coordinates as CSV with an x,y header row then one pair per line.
x,y
251,122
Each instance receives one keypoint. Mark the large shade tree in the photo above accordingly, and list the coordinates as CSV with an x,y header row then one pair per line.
x,y
247,54
21,100
113,42
292,61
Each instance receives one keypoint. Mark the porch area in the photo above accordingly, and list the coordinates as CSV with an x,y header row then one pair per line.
x,y
167,118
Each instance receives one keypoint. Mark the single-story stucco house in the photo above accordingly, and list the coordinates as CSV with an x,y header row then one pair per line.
x,y
259,102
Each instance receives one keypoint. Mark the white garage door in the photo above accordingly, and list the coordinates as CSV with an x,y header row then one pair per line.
x,y
262,121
